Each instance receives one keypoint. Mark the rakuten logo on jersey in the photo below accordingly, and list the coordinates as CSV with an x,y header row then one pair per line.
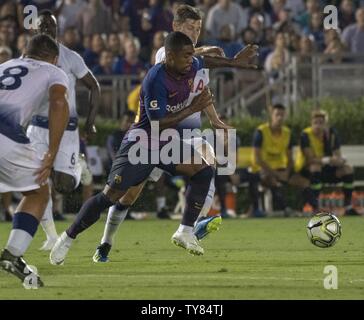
x,y
177,107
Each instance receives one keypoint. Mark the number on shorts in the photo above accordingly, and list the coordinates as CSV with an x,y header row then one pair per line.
x,y
73,159
16,76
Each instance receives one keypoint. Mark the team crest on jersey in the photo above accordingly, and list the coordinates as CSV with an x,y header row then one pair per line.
x,y
118,179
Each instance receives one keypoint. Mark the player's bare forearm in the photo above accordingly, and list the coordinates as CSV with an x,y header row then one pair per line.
x,y
243,59
92,84
58,118
209,51
173,119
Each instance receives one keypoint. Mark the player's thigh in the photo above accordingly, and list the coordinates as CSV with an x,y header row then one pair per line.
x,y
35,201
67,159
124,174
18,167
298,180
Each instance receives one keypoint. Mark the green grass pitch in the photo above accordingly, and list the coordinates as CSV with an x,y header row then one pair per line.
x,y
246,259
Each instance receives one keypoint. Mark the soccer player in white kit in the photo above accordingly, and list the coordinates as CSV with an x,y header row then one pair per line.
x,y
25,85
66,174
187,20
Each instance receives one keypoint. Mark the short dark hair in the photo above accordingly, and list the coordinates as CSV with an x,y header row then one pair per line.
x,y
42,46
279,106
184,12
175,41
45,12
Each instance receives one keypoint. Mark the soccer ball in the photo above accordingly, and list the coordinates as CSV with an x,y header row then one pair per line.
x,y
324,230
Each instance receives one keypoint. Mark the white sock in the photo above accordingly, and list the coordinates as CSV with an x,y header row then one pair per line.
x,y
47,222
161,203
19,241
66,239
186,229
114,218
208,201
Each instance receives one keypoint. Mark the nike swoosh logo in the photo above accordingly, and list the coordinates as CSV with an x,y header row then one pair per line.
x,y
172,95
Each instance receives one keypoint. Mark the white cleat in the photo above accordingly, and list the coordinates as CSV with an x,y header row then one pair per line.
x,y
48,244
60,249
187,241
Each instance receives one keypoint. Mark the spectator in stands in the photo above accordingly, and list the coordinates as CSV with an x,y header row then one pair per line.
x,y
257,7
353,35
277,7
249,36
91,56
130,64
8,32
272,155
11,8
320,160
5,54
227,42
95,18
346,13
21,44
114,140
295,6
285,23
334,52
104,67
304,19
257,24
69,14
158,42
306,49
204,6
316,29
71,39
223,13
278,58
114,45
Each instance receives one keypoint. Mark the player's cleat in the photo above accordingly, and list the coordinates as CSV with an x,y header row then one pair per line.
x,y
102,252
187,241
60,249
19,268
48,244
206,226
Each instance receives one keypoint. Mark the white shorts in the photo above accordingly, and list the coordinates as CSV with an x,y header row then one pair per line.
x,y
198,143
17,168
67,157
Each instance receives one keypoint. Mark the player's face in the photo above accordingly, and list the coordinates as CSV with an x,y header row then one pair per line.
x,y
182,60
318,124
278,117
47,25
190,28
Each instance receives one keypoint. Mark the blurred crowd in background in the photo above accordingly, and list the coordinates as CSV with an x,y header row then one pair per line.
x,y
121,37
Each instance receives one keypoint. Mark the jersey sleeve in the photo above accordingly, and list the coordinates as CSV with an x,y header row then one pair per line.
x,y
160,56
304,141
155,100
257,139
78,66
57,76
198,63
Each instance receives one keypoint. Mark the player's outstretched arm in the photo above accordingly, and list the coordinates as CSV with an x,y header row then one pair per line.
x,y
211,51
199,103
215,121
93,85
58,119
242,60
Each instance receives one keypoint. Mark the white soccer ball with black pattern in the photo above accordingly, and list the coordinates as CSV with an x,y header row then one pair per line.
x,y
324,230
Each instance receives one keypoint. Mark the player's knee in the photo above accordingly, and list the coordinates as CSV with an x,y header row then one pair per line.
x,y
63,183
348,169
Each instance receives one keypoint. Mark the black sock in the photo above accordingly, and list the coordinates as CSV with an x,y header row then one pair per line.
x,y
254,190
316,184
348,188
309,197
278,198
220,185
196,194
89,214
